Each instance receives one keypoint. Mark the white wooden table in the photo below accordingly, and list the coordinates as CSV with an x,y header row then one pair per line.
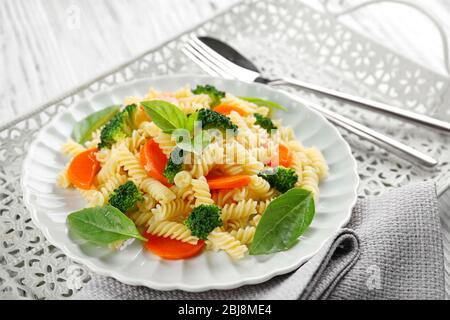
x,y
50,46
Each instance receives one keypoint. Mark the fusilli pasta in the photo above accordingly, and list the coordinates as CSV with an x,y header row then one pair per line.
x,y
157,190
72,148
167,211
166,143
244,235
225,241
202,194
172,230
236,211
165,208
131,164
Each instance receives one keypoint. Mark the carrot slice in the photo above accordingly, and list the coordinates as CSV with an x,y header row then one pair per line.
x,y
226,109
284,157
154,161
228,182
83,168
171,249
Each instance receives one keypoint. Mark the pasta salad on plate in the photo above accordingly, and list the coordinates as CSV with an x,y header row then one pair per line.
x,y
191,170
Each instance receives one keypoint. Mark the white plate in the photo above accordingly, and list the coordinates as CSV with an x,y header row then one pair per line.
x,y
49,205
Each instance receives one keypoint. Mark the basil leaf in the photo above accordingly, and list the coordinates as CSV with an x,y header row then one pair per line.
x,y
167,116
82,131
264,103
284,221
102,225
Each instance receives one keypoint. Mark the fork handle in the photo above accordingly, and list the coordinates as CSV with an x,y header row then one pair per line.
x,y
366,133
371,104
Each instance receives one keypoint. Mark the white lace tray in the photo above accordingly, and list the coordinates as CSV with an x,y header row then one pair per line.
x,y
284,37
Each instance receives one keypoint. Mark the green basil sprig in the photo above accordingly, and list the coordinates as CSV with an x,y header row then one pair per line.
x,y
284,221
167,116
82,131
102,225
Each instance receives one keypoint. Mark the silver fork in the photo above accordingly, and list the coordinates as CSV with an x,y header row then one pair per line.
x,y
217,66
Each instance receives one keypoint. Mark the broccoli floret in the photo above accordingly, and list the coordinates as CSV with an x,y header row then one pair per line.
x,y
174,165
119,127
212,92
130,115
203,220
280,178
126,197
214,120
264,122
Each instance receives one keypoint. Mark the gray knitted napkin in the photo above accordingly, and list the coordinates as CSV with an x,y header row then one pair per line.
x,y
391,249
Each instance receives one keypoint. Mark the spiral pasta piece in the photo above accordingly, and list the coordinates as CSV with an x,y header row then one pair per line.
x,y
141,218
185,193
182,179
72,148
244,235
262,205
259,187
157,190
235,224
103,156
172,230
109,168
194,103
252,166
255,220
149,129
318,162
183,92
227,196
286,134
144,214
165,142
310,181
134,142
220,240
217,198
238,160
202,194
232,169
209,158
298,167
295,146
254,139
93,197
131,164
236,211
264,153
171,210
